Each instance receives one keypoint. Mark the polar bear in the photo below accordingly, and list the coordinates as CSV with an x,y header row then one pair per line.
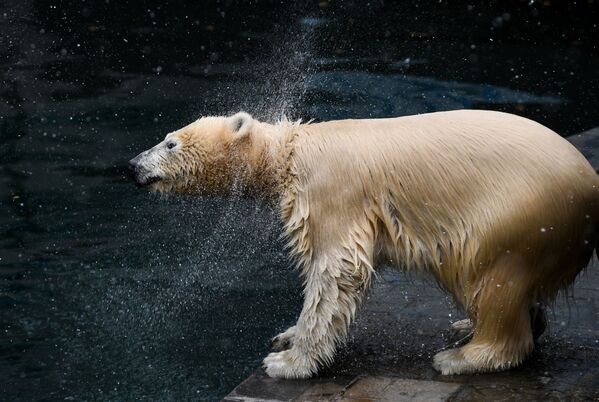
x,y
502,211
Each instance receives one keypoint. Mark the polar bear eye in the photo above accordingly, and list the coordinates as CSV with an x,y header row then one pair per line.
x,y
171,144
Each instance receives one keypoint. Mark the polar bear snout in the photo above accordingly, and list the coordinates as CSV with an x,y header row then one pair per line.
x,y
142,172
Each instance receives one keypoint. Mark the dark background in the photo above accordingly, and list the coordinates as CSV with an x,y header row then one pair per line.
x,y
107,292
544,47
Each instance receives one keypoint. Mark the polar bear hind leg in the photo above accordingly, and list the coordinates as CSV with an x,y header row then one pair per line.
x,y
464,328
503,335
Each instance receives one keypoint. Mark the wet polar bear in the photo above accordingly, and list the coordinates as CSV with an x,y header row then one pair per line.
x,y
502,211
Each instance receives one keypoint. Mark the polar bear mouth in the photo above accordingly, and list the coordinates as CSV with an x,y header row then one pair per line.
x,y
146,181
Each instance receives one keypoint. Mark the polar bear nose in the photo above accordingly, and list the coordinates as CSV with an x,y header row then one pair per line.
x,y
133,163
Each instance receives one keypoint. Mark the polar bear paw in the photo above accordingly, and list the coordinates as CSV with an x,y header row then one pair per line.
x,y
452,361
283,341
287,365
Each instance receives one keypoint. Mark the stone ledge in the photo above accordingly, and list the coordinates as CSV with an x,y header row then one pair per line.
x,y
366,388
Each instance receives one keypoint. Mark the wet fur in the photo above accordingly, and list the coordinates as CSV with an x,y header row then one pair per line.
x,y
502,211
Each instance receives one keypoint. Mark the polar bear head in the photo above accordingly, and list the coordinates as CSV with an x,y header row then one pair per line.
x,y
210,155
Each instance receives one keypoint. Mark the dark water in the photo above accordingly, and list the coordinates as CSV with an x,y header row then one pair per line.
x,y
110,293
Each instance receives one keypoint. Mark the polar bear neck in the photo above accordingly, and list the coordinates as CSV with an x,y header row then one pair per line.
x,y
269,158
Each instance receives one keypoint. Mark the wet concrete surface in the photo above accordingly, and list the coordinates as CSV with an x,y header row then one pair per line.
x,y
405,321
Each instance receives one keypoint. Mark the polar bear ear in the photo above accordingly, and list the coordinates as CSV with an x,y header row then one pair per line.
x,y
241,124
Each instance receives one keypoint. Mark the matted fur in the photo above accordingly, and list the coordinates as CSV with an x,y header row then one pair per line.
x,y
501,210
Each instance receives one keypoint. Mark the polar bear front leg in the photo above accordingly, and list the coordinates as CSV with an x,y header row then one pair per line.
x,y
332,295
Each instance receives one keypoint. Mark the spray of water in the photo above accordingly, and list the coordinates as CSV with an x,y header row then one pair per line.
x,y
284,75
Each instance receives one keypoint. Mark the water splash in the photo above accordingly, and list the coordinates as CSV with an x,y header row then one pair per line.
x,y
285,73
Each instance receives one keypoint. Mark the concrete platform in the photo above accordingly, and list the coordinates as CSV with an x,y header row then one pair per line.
x,y
405,321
